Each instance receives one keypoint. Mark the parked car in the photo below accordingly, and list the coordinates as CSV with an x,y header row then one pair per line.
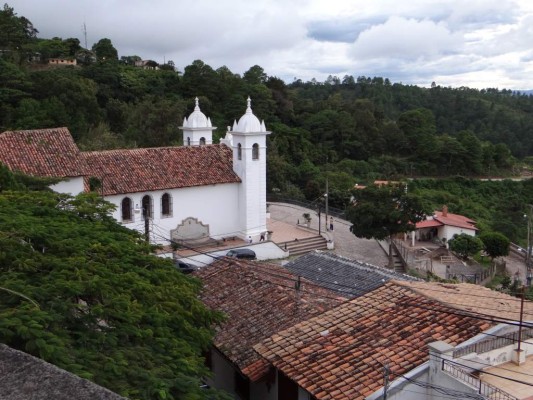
x,y
184,267
246,254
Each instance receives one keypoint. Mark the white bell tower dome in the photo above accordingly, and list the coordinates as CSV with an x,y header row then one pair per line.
x,y
197,129
248,142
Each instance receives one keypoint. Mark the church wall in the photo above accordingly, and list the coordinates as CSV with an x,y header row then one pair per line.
x,y
215,205
252,196
71,186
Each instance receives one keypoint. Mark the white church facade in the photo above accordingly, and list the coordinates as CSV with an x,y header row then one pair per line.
x,y
196,192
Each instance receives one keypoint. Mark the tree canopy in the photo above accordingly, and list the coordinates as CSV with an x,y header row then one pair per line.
x,y
465,245
382,212
358,127
495,244
102,306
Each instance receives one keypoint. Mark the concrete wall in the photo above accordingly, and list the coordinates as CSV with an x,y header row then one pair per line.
x,y
223,373
447,232
214,205
71,186
263,251
224,378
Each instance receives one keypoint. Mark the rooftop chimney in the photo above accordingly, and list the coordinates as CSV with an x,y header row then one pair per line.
x,y
444,211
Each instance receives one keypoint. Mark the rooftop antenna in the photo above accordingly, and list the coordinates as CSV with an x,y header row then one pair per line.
x,y
85,33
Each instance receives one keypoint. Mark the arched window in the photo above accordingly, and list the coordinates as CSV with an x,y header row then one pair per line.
x,y
202,141
188,141
126,209
147,207
239,152
255,152
166,205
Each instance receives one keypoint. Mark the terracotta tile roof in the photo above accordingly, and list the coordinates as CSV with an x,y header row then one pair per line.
x,y
474,299
259,300
428,223
339,354
450,219
349,278
53,153
141,170
42,152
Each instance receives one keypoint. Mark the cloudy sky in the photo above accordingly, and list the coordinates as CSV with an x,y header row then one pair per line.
x,y
474,43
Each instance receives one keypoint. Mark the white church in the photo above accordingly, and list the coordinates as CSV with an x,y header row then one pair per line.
x,y
199,191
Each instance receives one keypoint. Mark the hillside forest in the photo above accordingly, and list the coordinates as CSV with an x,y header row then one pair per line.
x,y
347,130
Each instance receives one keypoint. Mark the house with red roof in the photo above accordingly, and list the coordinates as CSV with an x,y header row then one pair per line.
x,y
443,225
407,340
197,192
258,300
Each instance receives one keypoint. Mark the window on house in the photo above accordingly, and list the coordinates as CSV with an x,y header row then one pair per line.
x,y
255,152
188,141
202,141
239,152
147,207
242,386
166,205
126,209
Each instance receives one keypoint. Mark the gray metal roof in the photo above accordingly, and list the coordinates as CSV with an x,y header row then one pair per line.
x,y
347,277
24,377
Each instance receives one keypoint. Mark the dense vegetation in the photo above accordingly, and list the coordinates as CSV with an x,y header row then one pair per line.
x,y
347,130
84,293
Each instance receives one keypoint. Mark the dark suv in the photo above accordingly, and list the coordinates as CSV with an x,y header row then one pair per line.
x,y
184,267
246,254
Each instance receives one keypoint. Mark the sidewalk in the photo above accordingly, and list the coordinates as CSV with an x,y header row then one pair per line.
x,y
284,217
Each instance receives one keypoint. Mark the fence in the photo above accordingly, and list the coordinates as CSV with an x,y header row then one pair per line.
x,y
487,345
483,388
312,205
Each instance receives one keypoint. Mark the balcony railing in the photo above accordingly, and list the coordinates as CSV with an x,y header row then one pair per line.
x,y
483,388
487,345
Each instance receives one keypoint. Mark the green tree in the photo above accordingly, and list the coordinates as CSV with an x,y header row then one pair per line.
x,y
105,50
382,212
15,31
255,75
465,245
495,244
108,310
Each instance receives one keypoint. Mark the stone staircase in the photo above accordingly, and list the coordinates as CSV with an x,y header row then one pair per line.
x,y
303,246
398,264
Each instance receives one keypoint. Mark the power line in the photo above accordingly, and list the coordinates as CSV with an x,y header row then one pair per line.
x,y
253,276
460,313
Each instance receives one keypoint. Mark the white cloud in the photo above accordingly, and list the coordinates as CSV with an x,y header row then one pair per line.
x,y
416,42
407,39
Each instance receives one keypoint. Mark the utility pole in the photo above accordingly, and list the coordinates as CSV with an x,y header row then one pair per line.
x,y
529,244
327,201
319,220
521,318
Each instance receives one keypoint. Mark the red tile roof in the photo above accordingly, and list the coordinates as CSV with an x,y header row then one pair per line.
x,y
450,219
259,300
340,354
473,299
428,223
141,170
53,153
42,152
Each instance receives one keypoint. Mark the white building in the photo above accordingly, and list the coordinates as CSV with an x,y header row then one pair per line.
x,y
196,192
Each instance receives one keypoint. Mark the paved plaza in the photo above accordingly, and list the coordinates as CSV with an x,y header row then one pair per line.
x,y
284,219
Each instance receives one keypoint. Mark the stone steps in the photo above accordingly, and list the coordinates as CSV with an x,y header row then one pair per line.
x,y
303,246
